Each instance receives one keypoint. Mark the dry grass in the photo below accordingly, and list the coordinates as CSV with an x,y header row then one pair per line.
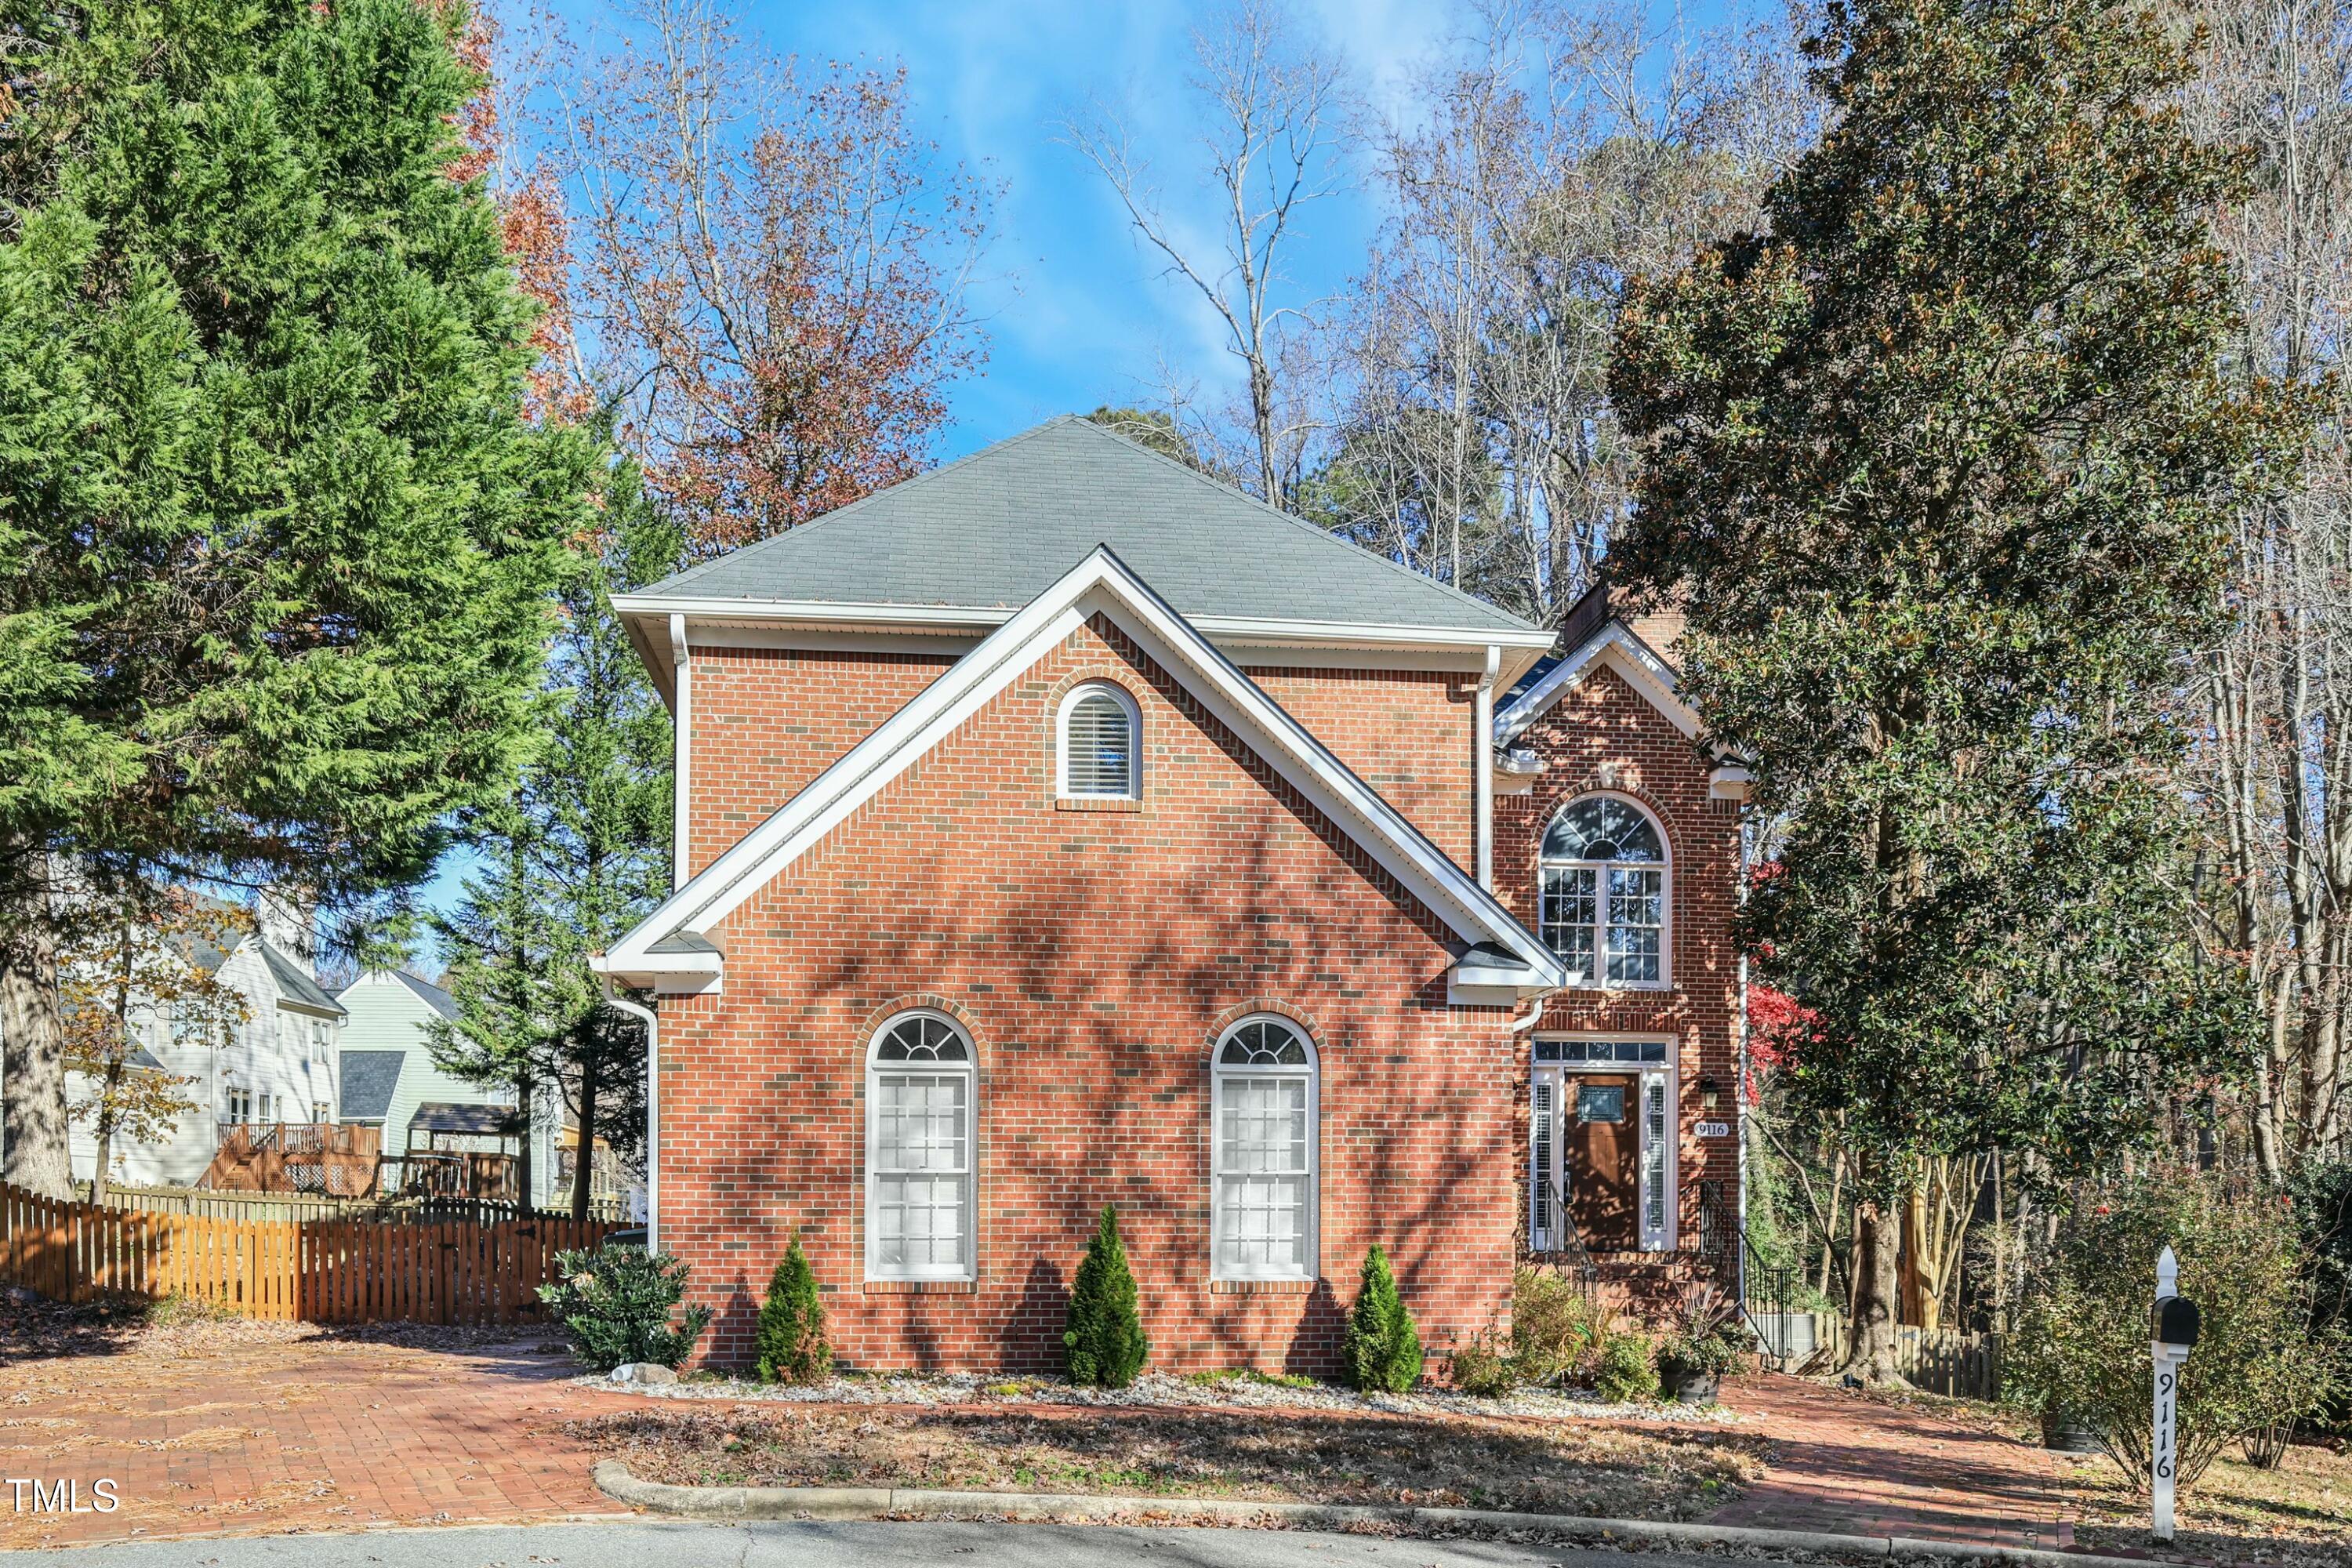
x,y
2299,1513
1528,1466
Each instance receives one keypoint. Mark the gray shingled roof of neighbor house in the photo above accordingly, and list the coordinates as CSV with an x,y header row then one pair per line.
x,y
369,1078
994,530
297,983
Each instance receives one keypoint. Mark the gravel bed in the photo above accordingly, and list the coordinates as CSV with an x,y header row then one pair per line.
x,y
1160,1390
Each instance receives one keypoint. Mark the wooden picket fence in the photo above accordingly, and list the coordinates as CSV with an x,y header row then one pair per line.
x,y
322,1271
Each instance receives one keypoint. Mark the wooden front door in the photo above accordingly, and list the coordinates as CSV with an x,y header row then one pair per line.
x,y
1603,1117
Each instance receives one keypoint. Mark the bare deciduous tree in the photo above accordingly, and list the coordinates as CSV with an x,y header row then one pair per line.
x,y
2278,688
1270,123
1559,151
773,267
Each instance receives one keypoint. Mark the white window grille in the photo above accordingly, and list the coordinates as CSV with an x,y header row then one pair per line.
x,y
1264,1160
1605,893
1559,1065
918,1151
1101,730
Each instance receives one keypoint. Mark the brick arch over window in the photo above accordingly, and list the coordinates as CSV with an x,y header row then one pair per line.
x,y
1605,889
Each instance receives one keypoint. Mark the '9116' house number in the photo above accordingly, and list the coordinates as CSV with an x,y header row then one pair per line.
x,y
1714,1128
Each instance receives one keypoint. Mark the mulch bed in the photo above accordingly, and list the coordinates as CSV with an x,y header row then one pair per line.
x,y
1528,1465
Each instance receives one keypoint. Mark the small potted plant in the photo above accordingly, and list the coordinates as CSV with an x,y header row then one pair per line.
x,y
1708,1343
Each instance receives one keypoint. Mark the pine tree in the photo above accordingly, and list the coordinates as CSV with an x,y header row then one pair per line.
x,y
574,857
1104,1344
275,543
793,1347
1941,467
1383,1344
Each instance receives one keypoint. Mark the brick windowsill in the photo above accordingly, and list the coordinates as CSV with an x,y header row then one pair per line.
x,y
922,1287
1262,1287
1107,803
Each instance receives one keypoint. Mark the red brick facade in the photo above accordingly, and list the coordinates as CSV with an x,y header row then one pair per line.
x,y
1093,955
1603,735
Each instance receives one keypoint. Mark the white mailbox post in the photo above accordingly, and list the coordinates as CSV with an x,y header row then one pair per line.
x,y
2172,1331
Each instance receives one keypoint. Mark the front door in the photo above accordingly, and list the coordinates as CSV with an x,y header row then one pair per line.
x,y
1602,1145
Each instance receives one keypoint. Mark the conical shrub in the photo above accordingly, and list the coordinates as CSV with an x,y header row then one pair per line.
x,y
793,1347
1104,1343
1383,1344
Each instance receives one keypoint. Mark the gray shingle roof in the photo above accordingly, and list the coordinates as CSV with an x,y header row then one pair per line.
x,y
295,984
432,995
369,1078
448,1116
997,527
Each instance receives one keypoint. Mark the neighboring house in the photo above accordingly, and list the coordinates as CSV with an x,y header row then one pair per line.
x,y
390,1081
1064,828
276,1065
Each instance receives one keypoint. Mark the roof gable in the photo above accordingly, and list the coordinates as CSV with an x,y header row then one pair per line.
x,y
984,533
1613,648
673,947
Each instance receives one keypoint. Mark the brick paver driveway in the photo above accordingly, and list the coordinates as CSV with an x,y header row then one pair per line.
x,y
253,1428
240,1428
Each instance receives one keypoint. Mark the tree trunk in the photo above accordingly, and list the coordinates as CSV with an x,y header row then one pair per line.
x,y
1920,1303
32,1052
583,1139
526,1095
1871,1352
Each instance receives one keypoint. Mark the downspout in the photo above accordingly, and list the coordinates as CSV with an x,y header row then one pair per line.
x,y
1740,1088
653,1106
681,747
1483,765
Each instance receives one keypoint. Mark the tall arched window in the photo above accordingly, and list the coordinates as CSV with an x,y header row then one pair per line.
x,y
918,1150
1264,1159
1099,732
1605,892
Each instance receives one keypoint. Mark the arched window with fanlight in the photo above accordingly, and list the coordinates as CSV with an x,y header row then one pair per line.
x,y
1606,893
918,1150
1100,731
1264,1161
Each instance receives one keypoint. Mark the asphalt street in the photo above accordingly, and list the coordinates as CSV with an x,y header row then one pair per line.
x,y
877,1545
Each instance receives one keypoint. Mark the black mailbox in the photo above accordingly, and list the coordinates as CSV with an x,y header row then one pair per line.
x,y
2175,1322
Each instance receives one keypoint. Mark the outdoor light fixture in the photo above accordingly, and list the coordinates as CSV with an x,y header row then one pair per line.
x,y
1710,1094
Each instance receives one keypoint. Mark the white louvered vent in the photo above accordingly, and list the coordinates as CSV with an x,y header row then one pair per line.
x,y
1098,748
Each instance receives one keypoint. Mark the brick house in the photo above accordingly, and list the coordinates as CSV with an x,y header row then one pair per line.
x,y
1063,828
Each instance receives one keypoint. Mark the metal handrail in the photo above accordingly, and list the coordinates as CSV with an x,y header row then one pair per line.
x,y
1563,1229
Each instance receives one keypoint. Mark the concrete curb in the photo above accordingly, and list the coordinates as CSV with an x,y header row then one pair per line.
x,y
873,1503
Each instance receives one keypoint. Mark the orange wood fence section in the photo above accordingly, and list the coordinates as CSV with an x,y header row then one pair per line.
x,y
322,1271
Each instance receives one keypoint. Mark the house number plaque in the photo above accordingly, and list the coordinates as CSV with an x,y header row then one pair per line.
x,y
1714,1128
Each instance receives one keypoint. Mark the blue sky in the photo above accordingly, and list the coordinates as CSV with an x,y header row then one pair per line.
x,y
1077,309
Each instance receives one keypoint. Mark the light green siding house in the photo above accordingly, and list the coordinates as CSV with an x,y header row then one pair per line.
x,y
388,1077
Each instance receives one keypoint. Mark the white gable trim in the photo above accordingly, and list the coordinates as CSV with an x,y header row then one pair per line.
x,y
1611,647
1100,584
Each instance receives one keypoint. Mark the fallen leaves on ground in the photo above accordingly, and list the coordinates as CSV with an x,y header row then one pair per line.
x,y
1537,1467
2298,1514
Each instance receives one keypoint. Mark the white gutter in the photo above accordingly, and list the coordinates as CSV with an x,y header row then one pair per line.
x,y
1482,763
681,747
653,1106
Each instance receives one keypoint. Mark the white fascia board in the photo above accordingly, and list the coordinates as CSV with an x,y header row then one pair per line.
x,y
1529,644
1099,584
1619,650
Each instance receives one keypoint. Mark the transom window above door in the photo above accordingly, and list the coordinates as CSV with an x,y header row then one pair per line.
x,y
1099,734
1605,892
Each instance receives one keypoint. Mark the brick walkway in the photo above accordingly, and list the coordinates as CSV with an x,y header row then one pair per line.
x,y
226,1431
1868,1466
213,1433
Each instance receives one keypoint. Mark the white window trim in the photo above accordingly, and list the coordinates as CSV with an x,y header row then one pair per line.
x,y
1666,867
1070,701
970,1068
1218,1073
1666,1074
